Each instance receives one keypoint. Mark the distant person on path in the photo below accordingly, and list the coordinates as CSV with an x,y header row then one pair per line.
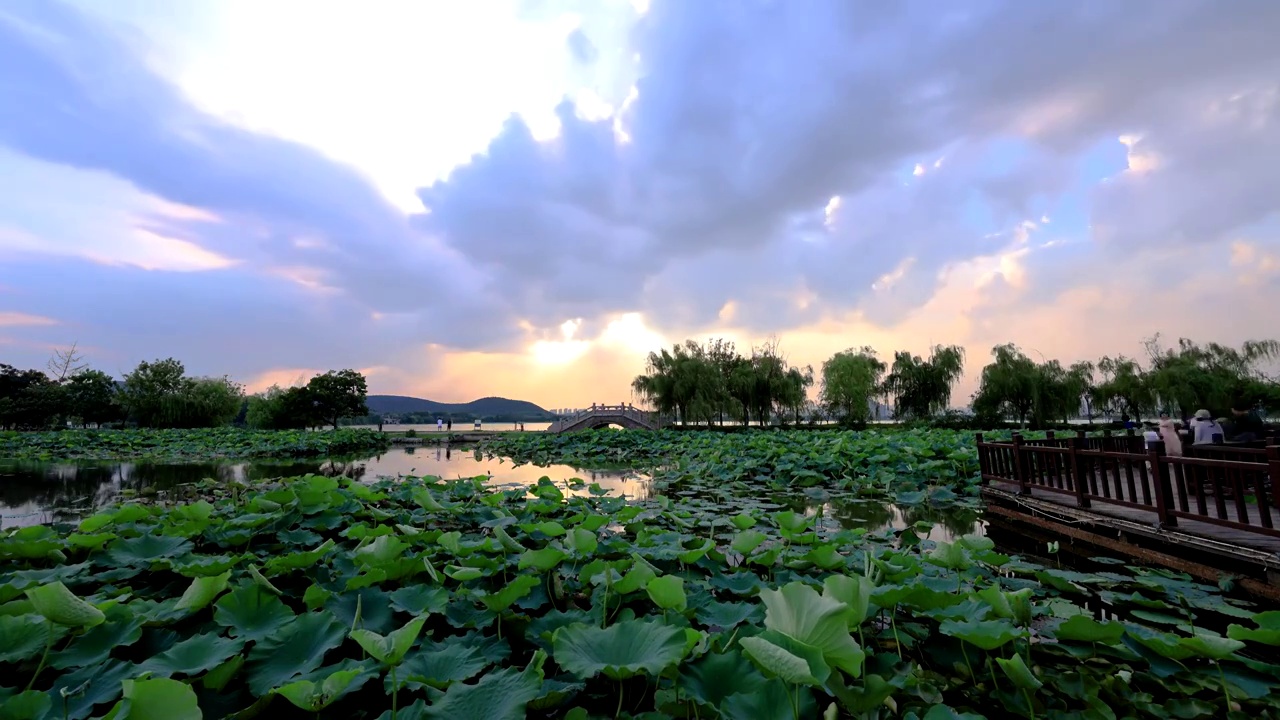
x,y
1128,424
1204,427
1246,426
439,424
1169,433
449,425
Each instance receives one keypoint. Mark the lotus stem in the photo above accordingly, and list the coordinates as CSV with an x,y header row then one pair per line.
x,y
48,643
618,712
395,692
966,660
1226,692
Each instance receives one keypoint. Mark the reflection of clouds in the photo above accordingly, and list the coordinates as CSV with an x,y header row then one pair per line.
x,y
32,493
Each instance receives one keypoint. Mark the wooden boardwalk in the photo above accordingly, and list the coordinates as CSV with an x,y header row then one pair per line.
x,y
1216,501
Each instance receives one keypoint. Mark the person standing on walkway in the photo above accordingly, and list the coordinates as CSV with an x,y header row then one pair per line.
x,y
1204,427
439,424
1169,434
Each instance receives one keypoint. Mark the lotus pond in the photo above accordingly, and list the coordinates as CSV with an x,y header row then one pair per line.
x,y
185,444
328,597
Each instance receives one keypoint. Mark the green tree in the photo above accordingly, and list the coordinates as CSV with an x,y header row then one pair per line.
x,y
91,397
1124,388
1191,376
922,388
149,392
850,381
282,409
29,399
339,394
1008,386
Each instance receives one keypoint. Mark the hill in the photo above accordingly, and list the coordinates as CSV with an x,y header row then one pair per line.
x,y
488,407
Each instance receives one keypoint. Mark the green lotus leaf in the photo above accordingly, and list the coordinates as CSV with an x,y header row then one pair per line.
x,y
390,649
542,560
120,629
726,615
440,666
774,700
1211,646
262,581
28,705
697,552
252,613
747,541
582,541
205,566
146,549
742,521
87,687
296,648
194,655
23,637
58,604
519,587
854,592
91,542
499,695
421,599
799,612
202,591
508,543
986,634
620,651
801,667
315,597
716,676
463,574
1267,632
314,697
636,579
946,712
156,699
298,560
1082,628
1019,673
667,592
218,678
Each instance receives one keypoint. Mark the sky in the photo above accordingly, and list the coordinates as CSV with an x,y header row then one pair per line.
x,y
523,198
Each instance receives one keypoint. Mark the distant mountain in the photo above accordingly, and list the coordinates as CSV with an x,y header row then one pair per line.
x,y
484,407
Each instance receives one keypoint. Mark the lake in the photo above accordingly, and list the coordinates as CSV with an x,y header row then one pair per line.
x,y
34,492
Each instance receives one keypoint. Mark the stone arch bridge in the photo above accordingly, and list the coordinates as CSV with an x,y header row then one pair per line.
x,y
596,416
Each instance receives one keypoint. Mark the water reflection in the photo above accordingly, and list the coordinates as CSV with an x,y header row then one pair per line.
x,y
944,524
39,492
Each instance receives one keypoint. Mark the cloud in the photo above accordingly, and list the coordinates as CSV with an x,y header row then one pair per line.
x,y
710,186
824,170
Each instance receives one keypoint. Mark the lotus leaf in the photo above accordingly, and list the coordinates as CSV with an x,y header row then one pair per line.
x,y
194,655
23,637
251,613
800,613
667,592
986,634
314,697
156,699
202,591
622,650
390,649
499,695
28,705
296,648
58,604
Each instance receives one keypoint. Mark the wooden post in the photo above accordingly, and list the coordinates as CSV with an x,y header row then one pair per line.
x,y
1077,477
1133,446
1019,466
1273,471
982,459
1163,485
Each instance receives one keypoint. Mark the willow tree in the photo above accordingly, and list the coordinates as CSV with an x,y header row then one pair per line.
x,y
1124,387
681,382
921,388
1212,376
850,381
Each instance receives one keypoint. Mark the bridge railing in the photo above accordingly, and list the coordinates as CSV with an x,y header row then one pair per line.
x,y
628,411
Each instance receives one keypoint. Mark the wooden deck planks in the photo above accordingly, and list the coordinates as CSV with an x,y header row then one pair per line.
x,y
1210,531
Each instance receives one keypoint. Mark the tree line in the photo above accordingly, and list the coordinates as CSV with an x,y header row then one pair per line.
x,y
160,394
703,383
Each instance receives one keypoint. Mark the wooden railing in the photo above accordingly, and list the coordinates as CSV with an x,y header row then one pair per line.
x,y
1212,484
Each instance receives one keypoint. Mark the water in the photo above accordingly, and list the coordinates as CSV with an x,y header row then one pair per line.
x,y
34,492
458,427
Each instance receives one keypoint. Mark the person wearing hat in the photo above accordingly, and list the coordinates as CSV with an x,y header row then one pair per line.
x,y
1204,427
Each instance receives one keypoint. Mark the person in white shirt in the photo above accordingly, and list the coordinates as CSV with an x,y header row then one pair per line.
x,y
1204,428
